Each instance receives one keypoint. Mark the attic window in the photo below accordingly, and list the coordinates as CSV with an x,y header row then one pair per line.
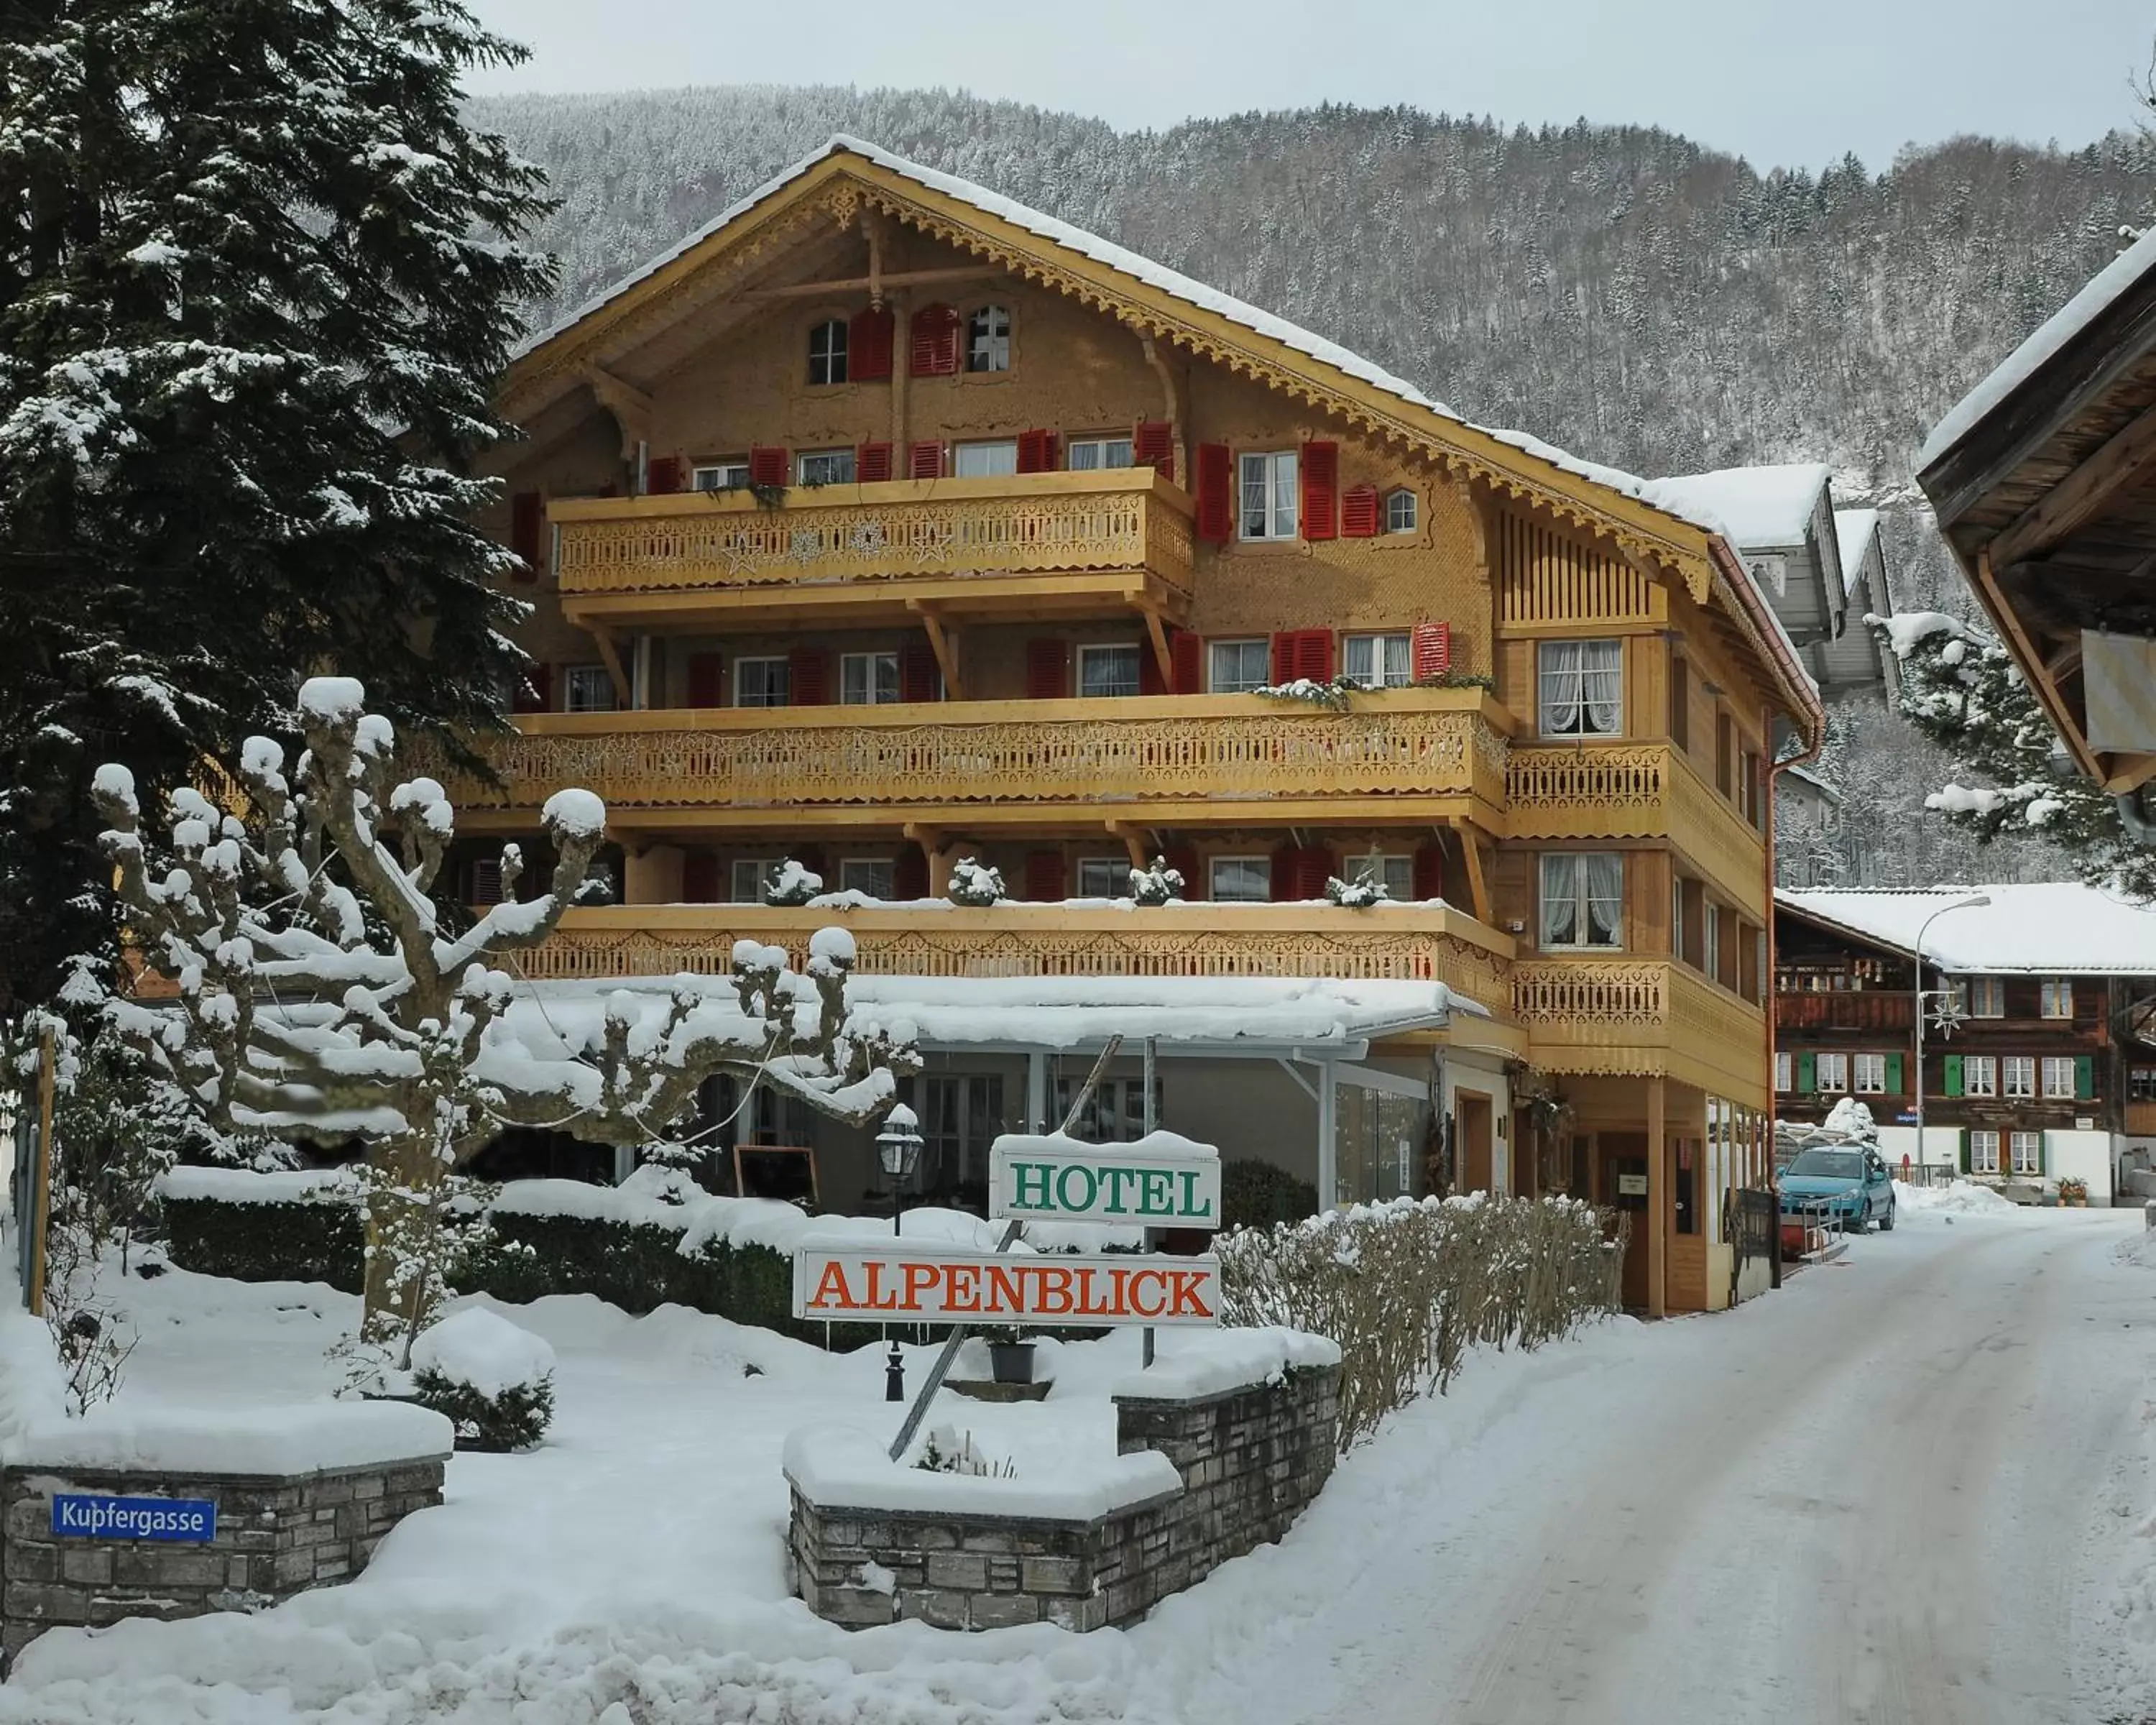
x,y
827,352
988,339
1400,511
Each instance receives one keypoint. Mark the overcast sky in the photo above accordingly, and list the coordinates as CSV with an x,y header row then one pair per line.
x,y
1781,83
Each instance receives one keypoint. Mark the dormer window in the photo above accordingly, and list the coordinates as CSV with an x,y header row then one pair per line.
x,y
827,351
988,339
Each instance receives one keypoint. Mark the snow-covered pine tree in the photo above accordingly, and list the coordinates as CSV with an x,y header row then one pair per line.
x,y
1961,688
256,279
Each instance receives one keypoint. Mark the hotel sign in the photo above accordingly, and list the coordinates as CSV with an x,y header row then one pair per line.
x,y
1151,1189
933,1284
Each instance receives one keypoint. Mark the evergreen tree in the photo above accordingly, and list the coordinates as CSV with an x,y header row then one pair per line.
x,y
256,278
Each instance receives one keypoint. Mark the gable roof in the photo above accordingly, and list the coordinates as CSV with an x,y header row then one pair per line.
x,y
2047,928
1665,526
1760,508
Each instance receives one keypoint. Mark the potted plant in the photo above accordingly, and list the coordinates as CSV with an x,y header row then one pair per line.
x,y
2074,1191
1010,1356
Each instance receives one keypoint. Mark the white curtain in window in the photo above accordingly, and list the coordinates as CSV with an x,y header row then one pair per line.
x,y
1602,685
1560,918
1605,897
1561,664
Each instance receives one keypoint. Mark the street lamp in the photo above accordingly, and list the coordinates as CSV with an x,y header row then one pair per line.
x,y
898,1150
1974,901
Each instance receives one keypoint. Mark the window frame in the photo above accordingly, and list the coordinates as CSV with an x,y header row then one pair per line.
x,y
722,471
1262,867
761,868
1785,1071
836,358
1992,990
1971,1065
2017,1077
1583,901
739,680
2052,1065
1579,677
1112,864
1837,1085
875,659
1087,648
1393,498
849,866
2057,992
1241,644
2016,1165
1002,445
849,455
989,349
1103,444
589,676
1862,1068
1977,1137
1381,644
1282,521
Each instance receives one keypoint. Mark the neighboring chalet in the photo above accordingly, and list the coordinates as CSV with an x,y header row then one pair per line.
x,y
1858,659
2043,479
2049,1071
887,523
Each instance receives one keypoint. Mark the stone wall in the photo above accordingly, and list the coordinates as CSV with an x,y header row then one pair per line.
x,y
1251,1460
277,1535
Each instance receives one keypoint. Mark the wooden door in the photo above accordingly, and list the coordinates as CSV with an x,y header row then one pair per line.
x,y
1474,1110
1623,1190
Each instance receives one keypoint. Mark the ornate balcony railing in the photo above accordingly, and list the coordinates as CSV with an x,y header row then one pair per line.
x,y
1641,1016
1125,519
1860,1009
1138,750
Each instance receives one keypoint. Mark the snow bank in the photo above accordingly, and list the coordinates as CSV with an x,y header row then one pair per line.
x,y
301,1438
1962,1197
33,1388
484,1352
1209,1362
849,1467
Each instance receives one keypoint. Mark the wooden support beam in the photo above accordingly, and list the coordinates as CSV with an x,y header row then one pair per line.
x,y
875,283
1659,1185
2126,772
1478,884
944,645
930,839
625,691
631,406
1170,394
2083,494
1161,657
1133,842
2023,648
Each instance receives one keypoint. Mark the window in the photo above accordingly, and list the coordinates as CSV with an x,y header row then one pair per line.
x,y
1581,688
1398,875
1583,899
761,682
868,679
2058,998
1237,667
1107,670
1090,454
1980,1074
988,339
960,1118
745,878
824,467
985,460
1114,1113
2027,1151
483,884
1269,496
1710,957
1981,997
2140,1085
1400,511
2019,1071
2059,1077
589,688
1871,1074
1833,1075
1241,880
827,352
869,876
1983,1152
719,476
1377,661
1104,877
1785,1072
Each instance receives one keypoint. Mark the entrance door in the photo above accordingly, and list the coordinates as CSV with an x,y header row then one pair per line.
x,y
1474,1110
1623,1188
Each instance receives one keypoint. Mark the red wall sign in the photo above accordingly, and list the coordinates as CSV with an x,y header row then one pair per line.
x,y
943,1285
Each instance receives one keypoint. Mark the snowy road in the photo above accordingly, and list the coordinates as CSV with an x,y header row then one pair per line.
x,y
1899,1490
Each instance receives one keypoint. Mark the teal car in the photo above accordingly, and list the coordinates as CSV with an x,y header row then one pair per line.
x,y
1851,1186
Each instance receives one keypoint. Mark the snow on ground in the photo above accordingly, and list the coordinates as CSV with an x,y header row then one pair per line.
x,y
1960,1198
1867,1461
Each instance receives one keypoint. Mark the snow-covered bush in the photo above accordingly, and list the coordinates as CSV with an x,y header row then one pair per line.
x,y
494,1379
1159,884
791,883
973,882
1359,893
1851,1120
1406,1287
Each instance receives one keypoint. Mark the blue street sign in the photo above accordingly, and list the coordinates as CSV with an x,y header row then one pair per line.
x,y
186,1521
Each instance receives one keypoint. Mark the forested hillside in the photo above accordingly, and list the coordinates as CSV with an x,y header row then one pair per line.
x,y
1621,291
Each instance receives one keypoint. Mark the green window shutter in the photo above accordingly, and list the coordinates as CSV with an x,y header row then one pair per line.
x,y
1963,1135
1954,1089
2043,1154
1807,1072
1893,1075
2084,1077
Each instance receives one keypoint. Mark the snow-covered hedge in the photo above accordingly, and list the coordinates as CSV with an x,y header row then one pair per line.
x,y
1406,1287
282,1227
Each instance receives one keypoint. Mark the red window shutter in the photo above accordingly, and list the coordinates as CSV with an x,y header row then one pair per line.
x,y
808,677
872,464
1361,510
662,476
699,878
527,519
1183,860
707,680
924,461
1216,487
908,873
1186,647
868,345
767,466
1046,881
1429,871
1152,444
534,690
934,342
916,672
1284,873
1313,868
1303,653
1047,670
1321,490
1036,452
1429,650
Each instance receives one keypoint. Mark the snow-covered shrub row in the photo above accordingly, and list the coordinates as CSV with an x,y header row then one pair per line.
x,y
1406,1287
284,1227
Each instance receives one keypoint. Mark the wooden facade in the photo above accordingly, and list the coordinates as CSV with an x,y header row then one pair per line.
x,y
1002,583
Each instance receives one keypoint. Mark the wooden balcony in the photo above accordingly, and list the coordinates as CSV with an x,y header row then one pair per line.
x,y
1637,791
1614,1016
1407,755
1032,545
1864,1009
1432,942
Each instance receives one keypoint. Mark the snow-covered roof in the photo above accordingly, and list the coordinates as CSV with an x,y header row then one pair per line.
x,y
2054,928
1758,506
2069,320
1813,779
1854,530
